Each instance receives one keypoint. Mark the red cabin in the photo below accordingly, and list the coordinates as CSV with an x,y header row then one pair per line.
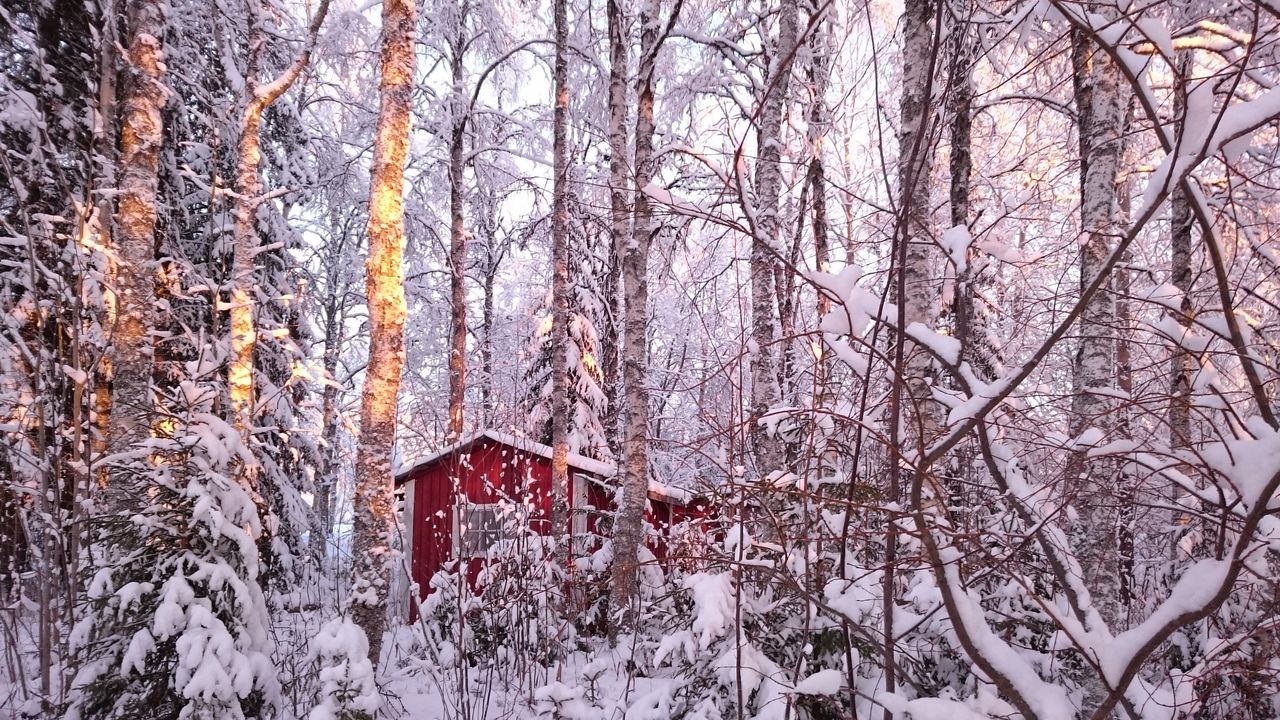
x,y
458,501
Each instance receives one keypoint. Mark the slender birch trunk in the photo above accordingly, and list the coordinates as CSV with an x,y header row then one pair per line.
x,y
968,318
457,243
244,334
141,137
920,292
486,343
629,529
819,71
374,512
1181,362
104,145
914,289
1100,109
620,225
964,310
560,281
322,507
768,230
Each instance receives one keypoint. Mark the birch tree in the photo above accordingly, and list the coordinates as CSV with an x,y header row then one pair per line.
x,y
257,98
141,137
457,228
629,533
766,234
1101,114
374,512
560,275
620,218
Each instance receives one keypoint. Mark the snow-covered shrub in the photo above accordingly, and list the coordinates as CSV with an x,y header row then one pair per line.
x,y
177,622
347,689
511,607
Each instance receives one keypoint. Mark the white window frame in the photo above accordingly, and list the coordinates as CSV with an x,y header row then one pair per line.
x,y
578,513
499,514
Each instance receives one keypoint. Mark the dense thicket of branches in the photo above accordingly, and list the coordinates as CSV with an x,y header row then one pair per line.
x,y
959,318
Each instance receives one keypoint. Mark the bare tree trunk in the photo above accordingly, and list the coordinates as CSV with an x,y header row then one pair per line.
x,y
1181,364
243,267
244,334
965,308
486,346
767,232
105,147
374,512
629,528
920,291
1097,87
457,244
560,281
620,226
914,289
322,507
141,137
819,71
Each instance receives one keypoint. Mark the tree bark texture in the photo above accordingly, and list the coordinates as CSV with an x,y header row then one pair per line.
x,y
921,291
244,278
765,238
457,246
629,528
914,289
970,319
374,504
1093,483
560,280
141,137
1181,364
620,219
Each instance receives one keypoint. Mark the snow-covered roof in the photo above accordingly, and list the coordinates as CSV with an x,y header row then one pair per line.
x,y
657,490
576,461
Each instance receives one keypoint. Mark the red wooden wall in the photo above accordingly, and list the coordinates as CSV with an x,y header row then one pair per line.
x,y
488,471
484,472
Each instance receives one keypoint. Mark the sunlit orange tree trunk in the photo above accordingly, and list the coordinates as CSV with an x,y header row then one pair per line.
x,y
374,513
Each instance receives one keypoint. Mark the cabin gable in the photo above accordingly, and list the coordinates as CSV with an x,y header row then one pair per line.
x,y
458,499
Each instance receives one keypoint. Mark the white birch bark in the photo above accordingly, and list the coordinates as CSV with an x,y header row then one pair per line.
x,y
764,241
628,530
244,336
920,286
560,280
374,504
133,284
914,289
1100,107
457,239
620,218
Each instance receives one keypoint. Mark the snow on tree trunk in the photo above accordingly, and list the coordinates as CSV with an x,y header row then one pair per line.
x,y
619,225
629,528
914,289
766,233
457,249
141,137
1100,108
244,278
920,292
374,503
560,281
1182,364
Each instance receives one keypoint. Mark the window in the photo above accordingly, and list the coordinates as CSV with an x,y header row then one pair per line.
x,y
476,528
578,503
